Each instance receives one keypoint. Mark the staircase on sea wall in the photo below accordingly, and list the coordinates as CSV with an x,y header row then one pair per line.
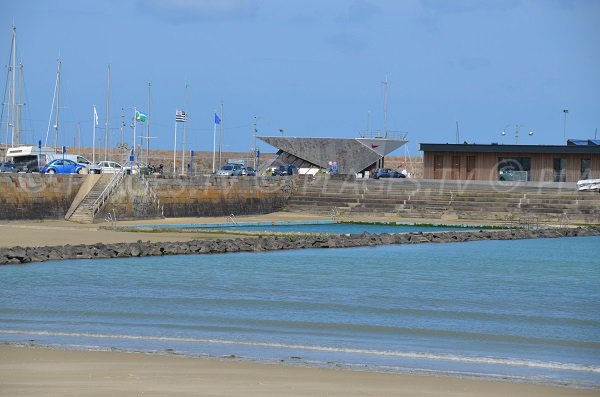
x,y
95,199
426,199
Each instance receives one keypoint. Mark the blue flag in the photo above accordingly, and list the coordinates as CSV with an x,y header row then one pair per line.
x,y
217,119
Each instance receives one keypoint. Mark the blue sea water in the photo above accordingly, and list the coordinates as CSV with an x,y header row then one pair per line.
x,y
526,310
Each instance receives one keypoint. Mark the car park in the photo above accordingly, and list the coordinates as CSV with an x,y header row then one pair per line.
x,y
387,173
8,167
63,166
230,170
285,169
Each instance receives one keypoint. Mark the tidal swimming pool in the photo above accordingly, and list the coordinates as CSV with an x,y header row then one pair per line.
x,y
309,227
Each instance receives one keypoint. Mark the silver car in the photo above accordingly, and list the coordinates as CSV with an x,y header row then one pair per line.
x,y
230,170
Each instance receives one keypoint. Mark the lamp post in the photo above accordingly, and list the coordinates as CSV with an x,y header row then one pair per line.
x,y
517,128
565,111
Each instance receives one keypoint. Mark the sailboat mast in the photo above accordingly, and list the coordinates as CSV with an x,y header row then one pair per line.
x,y
14,85
19,106
107,113
57,105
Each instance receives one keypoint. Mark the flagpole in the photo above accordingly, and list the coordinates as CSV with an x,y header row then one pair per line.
x,y
183,146
94,137
133,144
221,136
107,111
148,128
175,150
214,143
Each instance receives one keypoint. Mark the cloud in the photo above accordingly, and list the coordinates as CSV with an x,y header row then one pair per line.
x,y
347,43
462,6
474,63
362,10
182,11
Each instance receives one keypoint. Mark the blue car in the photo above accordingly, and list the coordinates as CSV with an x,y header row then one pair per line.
x,y
62,166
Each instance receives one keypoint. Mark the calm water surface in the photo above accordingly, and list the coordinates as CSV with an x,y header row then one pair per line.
x,y
525,310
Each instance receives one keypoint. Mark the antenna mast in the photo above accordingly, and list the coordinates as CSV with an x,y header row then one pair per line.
x,y
385,105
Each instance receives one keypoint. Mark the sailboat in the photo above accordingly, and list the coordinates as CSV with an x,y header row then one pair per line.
x,y
23,157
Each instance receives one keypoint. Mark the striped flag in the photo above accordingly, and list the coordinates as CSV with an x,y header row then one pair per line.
x,y
181,116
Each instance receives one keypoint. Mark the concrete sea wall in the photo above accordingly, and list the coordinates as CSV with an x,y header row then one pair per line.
x,y
36,196
219,196
20,255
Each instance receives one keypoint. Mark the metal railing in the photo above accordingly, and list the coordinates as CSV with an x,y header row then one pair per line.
x,y
153,195
114,182
231,219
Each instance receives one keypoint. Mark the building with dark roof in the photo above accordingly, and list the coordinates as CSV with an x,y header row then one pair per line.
x,y
342,155
544,163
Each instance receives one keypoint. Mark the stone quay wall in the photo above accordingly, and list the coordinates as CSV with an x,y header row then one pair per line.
x,y
37,196
220,196
21,255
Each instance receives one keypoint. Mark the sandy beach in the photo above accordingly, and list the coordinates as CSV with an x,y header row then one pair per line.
x,y
37,371
34,371
59,232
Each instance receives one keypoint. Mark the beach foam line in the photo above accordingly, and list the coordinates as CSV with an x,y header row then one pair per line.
x,y
384,353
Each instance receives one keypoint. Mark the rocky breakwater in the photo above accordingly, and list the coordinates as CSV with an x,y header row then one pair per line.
x,y
20,255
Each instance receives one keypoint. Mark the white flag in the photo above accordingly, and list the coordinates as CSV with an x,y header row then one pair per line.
x,y
95,116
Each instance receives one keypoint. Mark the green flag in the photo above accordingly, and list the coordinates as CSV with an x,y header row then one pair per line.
x,y
139,116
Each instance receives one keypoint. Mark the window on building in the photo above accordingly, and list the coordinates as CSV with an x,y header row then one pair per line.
x,y
586,168
514,168
560,170
470,167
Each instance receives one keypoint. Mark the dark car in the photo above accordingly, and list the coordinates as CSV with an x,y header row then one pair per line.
x,y
63,166
8,167
285,169
387,173
28,166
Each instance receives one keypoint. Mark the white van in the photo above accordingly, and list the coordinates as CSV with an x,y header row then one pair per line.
x,y
25,158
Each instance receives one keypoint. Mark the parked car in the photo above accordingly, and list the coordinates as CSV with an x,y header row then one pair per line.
x,y
285,169
8,167
387,173
230,170
248,171
61,166
28,166
109,167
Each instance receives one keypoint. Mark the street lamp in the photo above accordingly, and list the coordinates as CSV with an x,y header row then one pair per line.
x,y
517,128
565,111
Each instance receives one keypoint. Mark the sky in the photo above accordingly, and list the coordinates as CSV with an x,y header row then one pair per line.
x,y
309,68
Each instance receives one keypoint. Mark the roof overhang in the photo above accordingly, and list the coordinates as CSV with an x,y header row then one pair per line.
x,y
351,154
522,149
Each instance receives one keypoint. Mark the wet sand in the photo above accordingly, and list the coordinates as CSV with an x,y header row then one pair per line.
x,y
34,371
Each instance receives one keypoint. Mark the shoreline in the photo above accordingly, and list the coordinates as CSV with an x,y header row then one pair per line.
x,y
38,370
268,242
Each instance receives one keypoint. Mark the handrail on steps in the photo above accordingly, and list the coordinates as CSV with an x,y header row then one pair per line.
x,y
114,182
154,195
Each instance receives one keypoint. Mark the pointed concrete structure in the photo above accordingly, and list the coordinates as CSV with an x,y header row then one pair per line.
x,y
352,155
